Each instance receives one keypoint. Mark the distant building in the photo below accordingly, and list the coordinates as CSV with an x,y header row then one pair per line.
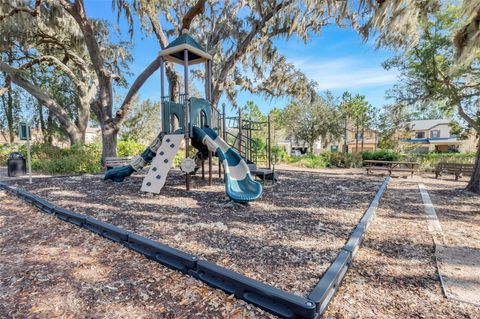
x,y
435,135
92,134
36,137
369,139
370,143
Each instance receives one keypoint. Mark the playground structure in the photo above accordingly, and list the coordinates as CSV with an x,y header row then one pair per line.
x,y
194,121
243,134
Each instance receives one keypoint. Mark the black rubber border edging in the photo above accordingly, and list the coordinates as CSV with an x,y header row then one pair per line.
x,y
328,285
264,296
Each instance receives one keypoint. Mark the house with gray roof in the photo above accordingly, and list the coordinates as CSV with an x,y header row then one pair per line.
x,y
435,135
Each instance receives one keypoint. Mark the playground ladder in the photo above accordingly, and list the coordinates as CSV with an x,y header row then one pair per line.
x,y
246,148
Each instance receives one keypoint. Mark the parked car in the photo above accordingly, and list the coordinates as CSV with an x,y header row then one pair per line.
x,y
295,153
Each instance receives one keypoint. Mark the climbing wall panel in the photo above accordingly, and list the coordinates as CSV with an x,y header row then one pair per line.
x,y
161,163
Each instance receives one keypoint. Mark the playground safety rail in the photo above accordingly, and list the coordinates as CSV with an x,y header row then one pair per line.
x,y
264,296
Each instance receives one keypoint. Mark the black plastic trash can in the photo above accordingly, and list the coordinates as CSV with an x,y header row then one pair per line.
x,y
16,165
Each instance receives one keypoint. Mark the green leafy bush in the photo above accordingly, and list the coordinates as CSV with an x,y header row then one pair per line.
x,y
129,148
78,159
381,155
326,159
346,160
278,154
342,160
179,157
428,161
54,160
5,150
307,160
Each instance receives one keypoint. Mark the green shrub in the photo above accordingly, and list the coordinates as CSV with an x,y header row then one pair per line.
x,y
78,159
381,155
179,157
278,154
307,160
5,150
54,160
129,148
326,159
341,159
347,160
428,161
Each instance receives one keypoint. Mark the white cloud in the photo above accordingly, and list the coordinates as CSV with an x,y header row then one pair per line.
x,y
346,73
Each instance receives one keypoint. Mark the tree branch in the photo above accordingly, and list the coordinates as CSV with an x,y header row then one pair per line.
x,y
172,75
43,97
77,11
80,85
6,86
467,118
137,84
198,8
157,29
47,39
33,12
243,46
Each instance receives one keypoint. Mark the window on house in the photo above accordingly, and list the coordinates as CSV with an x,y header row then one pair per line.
x,y
359,136
420,135
434,134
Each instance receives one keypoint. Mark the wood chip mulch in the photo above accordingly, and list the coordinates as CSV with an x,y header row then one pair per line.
x,y
286,239
458,212
394,274
52,269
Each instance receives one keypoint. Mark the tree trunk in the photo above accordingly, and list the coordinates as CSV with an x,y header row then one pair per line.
x,y
75,138
109,142
363,137
356,139
9,114
49,127
310,146
474,183
41,119
173,79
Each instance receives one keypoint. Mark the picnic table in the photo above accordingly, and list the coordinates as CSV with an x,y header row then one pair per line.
x,y
458,169
390,166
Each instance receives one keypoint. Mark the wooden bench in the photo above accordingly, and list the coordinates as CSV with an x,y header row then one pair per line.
x,y
457,169
390,166
111,162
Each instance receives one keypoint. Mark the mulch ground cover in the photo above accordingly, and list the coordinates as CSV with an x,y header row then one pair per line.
x,y
458,212
394,274
286,239
53,269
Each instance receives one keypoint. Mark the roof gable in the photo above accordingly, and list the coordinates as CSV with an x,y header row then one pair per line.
x,y
422,125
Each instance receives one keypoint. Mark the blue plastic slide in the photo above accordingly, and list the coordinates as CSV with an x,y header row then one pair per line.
x,y
239,186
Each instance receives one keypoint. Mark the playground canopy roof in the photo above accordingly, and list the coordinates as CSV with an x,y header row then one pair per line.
x,y
174,52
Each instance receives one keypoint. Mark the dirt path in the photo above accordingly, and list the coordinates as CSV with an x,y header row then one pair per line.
x,y
459,251
51,269
394,274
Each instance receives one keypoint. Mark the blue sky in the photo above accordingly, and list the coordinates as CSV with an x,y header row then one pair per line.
x,y
337,59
